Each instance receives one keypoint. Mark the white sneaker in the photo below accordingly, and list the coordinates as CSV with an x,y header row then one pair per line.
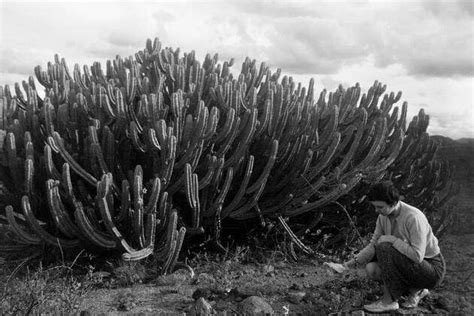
x,y
413,300
379,307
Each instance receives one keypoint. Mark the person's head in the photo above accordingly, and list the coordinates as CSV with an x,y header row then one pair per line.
x,y
384,197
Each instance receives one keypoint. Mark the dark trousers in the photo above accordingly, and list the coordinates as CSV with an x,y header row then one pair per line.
x,y
400,273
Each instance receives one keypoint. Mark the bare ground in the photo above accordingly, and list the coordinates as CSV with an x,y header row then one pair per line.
x,y
303,287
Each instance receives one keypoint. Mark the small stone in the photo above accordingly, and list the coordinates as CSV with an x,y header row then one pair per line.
x,y
255,305
358,313
312,297
101,274
295,297
240,293
295,287
202,292
268,269
205,278
303,274
202,307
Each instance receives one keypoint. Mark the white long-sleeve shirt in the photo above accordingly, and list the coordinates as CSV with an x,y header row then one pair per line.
x,y
414,235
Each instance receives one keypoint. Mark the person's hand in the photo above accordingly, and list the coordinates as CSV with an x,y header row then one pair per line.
x,y
386,238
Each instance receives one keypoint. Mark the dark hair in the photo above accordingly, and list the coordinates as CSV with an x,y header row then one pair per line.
x,y
384,191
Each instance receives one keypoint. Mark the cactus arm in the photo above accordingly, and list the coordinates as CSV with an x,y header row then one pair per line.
x,y
103,187
170,159
265,119
187,131
73,164
291,154
125,199
328,155
245,141
212,124
229,139
77,77
331,127
13,159
59,215
40,231
154,196
169,266
29,172
167,237
188,186
355,143
331,196
381,129
240,193
136,141
51,170
206,179
138,205
395,147
105,104
219,201
195,197
97,153
150,230
227,127
21,233
266,170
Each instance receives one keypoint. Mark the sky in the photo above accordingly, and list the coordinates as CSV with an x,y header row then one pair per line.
x,y
423,48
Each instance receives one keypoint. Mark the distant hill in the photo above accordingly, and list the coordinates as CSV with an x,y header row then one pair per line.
x,y
459,153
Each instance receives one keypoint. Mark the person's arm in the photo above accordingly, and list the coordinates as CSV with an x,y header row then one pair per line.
x,y
416,247
367,253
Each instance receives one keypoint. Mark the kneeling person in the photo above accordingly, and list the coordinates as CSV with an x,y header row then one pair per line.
x,y
403,252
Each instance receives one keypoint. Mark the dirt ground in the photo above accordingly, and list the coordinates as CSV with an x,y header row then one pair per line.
x,y
305,287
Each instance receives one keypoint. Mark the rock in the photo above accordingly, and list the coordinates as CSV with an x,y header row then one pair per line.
x,y
295,287
202,307
295,297
269,270
254,305
202,293
242,292
101,274
171,279
205,278
312,297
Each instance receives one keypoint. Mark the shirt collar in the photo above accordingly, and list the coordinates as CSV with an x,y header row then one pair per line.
x,y
396,212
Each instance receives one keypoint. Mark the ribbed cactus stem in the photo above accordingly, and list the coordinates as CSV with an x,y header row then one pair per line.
x,y
21,233
40,231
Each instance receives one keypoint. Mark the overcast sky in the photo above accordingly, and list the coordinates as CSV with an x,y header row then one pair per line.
x,y
423,48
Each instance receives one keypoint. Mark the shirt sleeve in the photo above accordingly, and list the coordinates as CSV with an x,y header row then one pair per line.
x,y
415,247
366,254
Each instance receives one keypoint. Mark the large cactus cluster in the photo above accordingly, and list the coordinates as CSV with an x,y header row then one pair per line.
x,y
157,146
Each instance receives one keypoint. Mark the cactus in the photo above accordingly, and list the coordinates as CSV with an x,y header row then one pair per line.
x,y
158,145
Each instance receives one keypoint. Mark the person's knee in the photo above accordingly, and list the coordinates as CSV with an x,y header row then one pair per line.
x,y
383,247
373,271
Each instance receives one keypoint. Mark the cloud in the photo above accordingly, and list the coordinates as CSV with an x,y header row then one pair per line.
x,y
449,8
278,9
456,126
431,38
22,60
